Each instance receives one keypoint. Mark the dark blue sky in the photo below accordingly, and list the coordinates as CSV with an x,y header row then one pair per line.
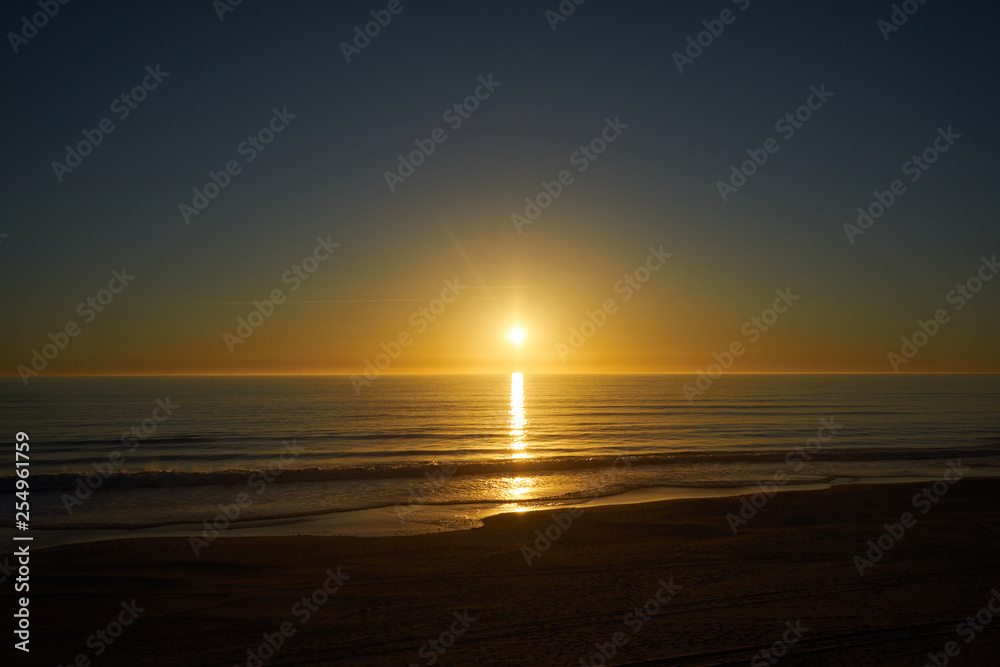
x,y
656,185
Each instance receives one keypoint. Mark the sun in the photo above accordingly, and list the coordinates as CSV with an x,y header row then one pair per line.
x,y
516,335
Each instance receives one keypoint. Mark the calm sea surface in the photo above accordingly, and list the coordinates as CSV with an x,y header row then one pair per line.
x,y
166,451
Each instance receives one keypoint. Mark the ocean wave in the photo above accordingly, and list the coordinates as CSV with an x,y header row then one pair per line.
x,y
239,475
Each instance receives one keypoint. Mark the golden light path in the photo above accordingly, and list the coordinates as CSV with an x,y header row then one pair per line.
x,y
516,418
520,486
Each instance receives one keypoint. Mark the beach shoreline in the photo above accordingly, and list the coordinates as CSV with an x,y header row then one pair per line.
x,y
433,518
554,596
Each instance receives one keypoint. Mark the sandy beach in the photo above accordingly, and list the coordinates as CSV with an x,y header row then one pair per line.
x,y
658,583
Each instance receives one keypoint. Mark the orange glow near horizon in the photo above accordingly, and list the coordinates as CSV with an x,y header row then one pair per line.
x,y
664,329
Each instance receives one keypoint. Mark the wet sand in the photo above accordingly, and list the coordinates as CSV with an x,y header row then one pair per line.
x,y
710,597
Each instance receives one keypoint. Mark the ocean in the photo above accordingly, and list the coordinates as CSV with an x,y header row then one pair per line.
x,y
133,456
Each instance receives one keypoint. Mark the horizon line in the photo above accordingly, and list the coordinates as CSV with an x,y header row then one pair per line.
x,y
400,374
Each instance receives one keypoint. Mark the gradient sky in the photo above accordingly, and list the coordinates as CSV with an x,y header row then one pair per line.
x,y
323,176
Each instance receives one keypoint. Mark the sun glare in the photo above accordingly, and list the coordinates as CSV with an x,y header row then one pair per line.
x,y
516,336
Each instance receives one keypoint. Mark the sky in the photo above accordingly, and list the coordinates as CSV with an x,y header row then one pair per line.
x,y
651,257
